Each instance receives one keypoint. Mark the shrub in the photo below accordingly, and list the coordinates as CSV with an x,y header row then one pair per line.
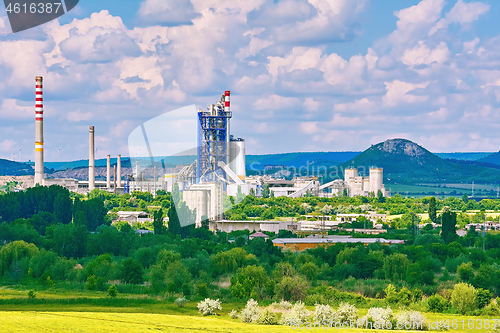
x,y
268,317
465,271
31,294
417,294
483,298
201,289
282,305
49,282
405,296
492,310
380,317
251,312
413,320
391,296
112,291
91,283
297,314
463,297
209,306
436,303
233,314
315,299
346,313
181,301
323,312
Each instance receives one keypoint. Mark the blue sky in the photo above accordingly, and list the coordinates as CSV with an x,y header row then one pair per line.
x,y
316,75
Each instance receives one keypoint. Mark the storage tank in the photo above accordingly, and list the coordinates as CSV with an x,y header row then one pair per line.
x,y
237,157
376,179
366,184
350,173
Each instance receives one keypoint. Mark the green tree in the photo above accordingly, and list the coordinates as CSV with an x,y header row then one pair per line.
x,y
205,223
449,229
158,222
62,208
432,209
174,225
80,219
251,192
395,266
465,198
131,271
463,297
13,254
112,291
309,270
248,279
465,272
291,288
380,196
265,191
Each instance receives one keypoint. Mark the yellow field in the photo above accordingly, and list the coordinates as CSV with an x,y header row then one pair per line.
x,y
90,322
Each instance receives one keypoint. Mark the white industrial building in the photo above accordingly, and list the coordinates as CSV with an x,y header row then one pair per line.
x,y
359,185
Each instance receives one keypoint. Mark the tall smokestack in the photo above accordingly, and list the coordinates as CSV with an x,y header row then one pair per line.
x,y
227,108
108,172
119,170
39,171
91,159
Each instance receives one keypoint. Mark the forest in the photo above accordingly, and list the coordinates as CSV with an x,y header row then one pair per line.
x,y
54,239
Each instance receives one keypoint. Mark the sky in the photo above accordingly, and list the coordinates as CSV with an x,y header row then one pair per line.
x,y
315,75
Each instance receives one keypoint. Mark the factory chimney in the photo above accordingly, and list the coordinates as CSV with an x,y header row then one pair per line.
x,y
227,109
108,171
91,159
119,170
39,170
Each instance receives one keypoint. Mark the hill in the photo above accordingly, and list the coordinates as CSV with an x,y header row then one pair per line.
x,y
259,162
463,156
406,162
11,168
492,158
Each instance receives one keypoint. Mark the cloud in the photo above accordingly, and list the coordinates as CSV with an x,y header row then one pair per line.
x,y
275,102
311,105
363,104
10,109
334,21
167,12
310,127
423,55
255,46
4,26
397,92
79,115
462,13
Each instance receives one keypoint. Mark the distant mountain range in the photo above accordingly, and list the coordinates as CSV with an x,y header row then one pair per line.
x,y
403,162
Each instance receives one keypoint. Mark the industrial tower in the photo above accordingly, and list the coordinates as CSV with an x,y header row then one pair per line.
x,y
213,141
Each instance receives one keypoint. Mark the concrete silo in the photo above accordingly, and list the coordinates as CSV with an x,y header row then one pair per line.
x,y
237,157
376,179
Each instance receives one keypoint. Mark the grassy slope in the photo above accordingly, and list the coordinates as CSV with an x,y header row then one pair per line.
x,y
137,317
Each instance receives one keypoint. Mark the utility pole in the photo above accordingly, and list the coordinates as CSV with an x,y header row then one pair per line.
x,y
484,230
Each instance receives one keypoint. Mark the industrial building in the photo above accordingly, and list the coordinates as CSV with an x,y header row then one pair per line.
x,y
301,244
219,169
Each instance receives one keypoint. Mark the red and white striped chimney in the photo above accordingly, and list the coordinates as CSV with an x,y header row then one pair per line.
x,y
227,103
39,170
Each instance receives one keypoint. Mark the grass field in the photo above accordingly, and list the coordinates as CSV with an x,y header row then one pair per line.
x,y
89,322
58,311
416,190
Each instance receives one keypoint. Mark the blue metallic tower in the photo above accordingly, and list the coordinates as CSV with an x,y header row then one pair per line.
x,y
213,141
